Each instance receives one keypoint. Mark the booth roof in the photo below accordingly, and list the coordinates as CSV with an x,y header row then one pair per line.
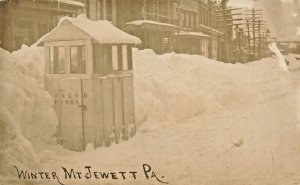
x,y
101,31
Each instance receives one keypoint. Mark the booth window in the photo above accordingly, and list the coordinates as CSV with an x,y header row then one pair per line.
x,y
78,62
57,60
115,63
97,61
121,57
124,56
129,57
106,59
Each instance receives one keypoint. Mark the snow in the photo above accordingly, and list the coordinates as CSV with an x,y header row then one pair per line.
x,y
191,110
200,121
142,22
89,147
197,34
281,60
23,94
27,118
211,29
102,31
71,2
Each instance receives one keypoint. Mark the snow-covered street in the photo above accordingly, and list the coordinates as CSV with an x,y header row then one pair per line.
x,y
201,150
200,122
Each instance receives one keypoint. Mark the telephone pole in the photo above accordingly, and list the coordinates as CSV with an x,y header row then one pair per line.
x,y
226,18
254,24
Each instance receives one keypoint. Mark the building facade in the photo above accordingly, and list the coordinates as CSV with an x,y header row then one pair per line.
x,y
182,26
25,21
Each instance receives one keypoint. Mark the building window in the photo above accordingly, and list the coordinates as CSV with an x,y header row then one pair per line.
x,y
109,10
193,21
175,11
199,14
163,8
204,16
182,20
151,6
78,61
187,22
57,60
99,9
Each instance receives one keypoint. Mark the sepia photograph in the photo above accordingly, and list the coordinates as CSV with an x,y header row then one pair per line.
x,y
149,92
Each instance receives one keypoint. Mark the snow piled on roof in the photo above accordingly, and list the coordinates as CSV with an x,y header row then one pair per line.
x,y
196,34
71,2
101,31
141,22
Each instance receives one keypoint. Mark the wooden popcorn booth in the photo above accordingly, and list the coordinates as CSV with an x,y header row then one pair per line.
x,y
88,71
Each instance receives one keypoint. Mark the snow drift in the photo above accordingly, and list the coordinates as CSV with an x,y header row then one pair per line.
x,y
281,60
169,88
176,87
23,94
26,114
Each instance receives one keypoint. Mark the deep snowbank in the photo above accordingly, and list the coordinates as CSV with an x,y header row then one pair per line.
x,y
168,88
23,94
26,114
176,87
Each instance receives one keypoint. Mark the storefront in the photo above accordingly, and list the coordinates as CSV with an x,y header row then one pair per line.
x,y
192,43
154,35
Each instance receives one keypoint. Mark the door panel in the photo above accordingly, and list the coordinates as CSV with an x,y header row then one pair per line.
x,y
98,113
118,107
107,98
71,114
128,101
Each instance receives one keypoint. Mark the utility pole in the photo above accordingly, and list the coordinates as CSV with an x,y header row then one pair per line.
x,y
249,40
227,25
238,41
259,39
254,21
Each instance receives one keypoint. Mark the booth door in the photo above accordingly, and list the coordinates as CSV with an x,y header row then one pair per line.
x,y
128,102
71,119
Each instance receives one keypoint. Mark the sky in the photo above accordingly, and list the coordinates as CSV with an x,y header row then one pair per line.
x,y
281,16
